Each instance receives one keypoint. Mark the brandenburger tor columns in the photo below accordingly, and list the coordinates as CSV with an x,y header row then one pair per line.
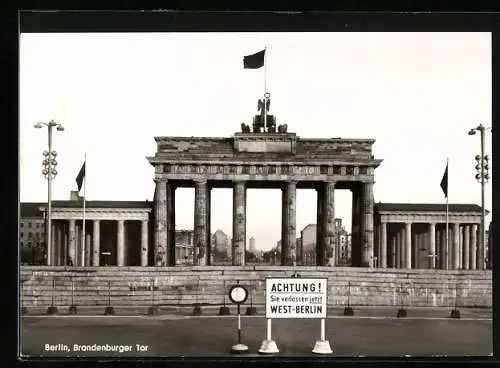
x,y
264,156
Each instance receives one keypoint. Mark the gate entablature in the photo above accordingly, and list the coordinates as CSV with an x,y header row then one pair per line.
x,y
264,157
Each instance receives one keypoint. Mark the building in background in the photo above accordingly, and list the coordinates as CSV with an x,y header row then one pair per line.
x,y
251,247
184,251
229,248
298,247
220,246
308,245
105,222
341,244
413,235
32,234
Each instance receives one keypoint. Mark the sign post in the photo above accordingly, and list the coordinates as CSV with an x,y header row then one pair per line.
x,y
238,294
296,297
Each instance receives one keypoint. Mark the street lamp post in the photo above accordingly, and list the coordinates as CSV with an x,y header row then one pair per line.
x,y
482,177
50,173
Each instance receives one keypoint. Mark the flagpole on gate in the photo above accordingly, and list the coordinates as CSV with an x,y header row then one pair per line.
x,y
265,72
83,227
265,89
447,234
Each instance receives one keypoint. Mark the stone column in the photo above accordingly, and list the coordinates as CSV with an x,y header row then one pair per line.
x,y
55,243
96,251
383,245
81,243
432,245
88,249
444,255
367,226
144,243
460,247
466,246
437,262
72,241
320,239
120,243
78,240
79,246
65,243
399,248
52,255
451,251
283,229
239,222
414,249
456,245
356,226
85,249
420,245
328,220
289,242
161,223
408,245
200,223
170,214
446,251
209,237
392,252
59,247
473,247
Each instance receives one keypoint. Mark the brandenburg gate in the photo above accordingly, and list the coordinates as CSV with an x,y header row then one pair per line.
x,y
266,157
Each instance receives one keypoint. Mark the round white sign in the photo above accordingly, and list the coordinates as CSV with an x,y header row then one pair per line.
x,y
238,294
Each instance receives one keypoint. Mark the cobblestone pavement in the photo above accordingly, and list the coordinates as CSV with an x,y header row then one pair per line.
x,y
175,335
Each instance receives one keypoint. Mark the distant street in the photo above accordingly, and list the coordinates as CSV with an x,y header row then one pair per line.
x,y
177,335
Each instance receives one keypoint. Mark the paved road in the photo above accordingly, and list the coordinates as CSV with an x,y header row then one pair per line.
x,y
176,335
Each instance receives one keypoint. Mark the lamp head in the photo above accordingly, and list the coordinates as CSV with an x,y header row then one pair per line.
x,y
38,125
472,132
60,128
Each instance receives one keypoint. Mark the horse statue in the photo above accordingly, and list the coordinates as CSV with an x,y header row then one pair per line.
x,y
282,128
245,128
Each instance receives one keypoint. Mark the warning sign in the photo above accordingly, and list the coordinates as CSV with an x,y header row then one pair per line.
x,y
296,298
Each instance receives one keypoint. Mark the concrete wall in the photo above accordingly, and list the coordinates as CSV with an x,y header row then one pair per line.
x,y
132,286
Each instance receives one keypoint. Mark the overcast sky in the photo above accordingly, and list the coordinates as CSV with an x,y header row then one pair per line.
x,y
417,94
